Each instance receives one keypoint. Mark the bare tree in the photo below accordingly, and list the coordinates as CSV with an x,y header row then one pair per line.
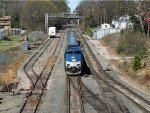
x,y
32,15
100,11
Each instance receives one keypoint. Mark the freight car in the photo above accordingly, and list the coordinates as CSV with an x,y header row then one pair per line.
x,y
73,56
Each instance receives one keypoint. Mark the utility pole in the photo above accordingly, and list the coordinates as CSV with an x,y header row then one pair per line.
x,y
148,30
46,22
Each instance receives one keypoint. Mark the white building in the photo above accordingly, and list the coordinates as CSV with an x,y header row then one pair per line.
x,y
105,29
122,23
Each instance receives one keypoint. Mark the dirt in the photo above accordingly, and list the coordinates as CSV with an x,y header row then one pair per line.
x,y
32,101
7,76
12,59
140,78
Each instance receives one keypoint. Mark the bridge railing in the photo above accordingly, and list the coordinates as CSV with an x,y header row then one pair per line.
x,y
64,15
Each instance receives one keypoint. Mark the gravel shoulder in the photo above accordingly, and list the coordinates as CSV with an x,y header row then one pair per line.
x,y
103,58
10,103
53,100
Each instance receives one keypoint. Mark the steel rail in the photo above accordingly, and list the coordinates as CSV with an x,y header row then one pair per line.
x,y
68,94
40,97
47,42
112,82
81,95
43,88
79,92
34,84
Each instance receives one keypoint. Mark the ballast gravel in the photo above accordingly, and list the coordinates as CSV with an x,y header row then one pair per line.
x,y
53,100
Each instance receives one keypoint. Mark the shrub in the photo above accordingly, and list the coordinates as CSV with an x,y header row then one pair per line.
x,y
143,53
120,48
89,30
136,63
131,43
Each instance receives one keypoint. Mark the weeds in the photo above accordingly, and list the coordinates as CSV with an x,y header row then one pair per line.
x,y
132,43
89,30
136,63
9,42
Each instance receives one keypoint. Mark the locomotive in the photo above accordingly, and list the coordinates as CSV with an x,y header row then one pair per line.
x,y
73,56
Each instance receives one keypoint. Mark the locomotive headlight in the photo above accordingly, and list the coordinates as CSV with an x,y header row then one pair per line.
x,y
73,60
79,63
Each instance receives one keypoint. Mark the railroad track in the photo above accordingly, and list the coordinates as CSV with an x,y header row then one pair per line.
x,y
31,62
94,100
78,94
109,98
28,66
39,82
104,78
74,95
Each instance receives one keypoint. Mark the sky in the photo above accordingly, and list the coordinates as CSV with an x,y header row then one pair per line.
x,y
73,4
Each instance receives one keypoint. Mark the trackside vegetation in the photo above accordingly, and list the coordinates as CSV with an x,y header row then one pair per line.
x,y
9,42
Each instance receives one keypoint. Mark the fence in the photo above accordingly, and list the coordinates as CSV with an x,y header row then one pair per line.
x,y
8,32
97,34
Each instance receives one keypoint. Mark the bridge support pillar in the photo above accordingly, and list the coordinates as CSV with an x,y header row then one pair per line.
x,y
46,22
78,21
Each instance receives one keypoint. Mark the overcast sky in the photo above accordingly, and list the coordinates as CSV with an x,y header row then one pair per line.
x,y
73,4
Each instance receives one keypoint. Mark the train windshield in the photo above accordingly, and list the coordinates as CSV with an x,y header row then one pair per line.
x,y
77,52
74,52
70,52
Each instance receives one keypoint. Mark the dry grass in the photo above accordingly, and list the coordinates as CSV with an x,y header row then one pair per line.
x,y
7,75
141,78
110,49
52,60
32,101
111,40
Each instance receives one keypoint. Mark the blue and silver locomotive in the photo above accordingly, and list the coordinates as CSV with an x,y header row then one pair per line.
x,y
73,55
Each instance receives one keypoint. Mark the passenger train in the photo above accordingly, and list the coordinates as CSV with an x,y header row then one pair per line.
x,y
73,56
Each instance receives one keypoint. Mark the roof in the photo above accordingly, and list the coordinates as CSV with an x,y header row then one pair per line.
x,y
71,38
73,49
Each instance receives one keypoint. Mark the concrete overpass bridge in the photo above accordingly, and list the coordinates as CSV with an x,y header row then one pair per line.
x,y
64,15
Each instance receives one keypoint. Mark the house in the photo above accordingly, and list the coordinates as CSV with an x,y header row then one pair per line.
x,y
5,22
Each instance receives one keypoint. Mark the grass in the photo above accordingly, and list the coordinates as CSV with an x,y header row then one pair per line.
x,y
140,78
9,42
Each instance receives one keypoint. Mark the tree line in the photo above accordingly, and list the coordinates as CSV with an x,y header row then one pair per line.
x,y
130,41
31,14
103,11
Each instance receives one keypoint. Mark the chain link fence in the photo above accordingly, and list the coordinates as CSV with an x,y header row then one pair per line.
x,y
8,32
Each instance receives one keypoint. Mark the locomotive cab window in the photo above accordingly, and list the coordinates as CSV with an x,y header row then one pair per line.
x,y
70,52
77,52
